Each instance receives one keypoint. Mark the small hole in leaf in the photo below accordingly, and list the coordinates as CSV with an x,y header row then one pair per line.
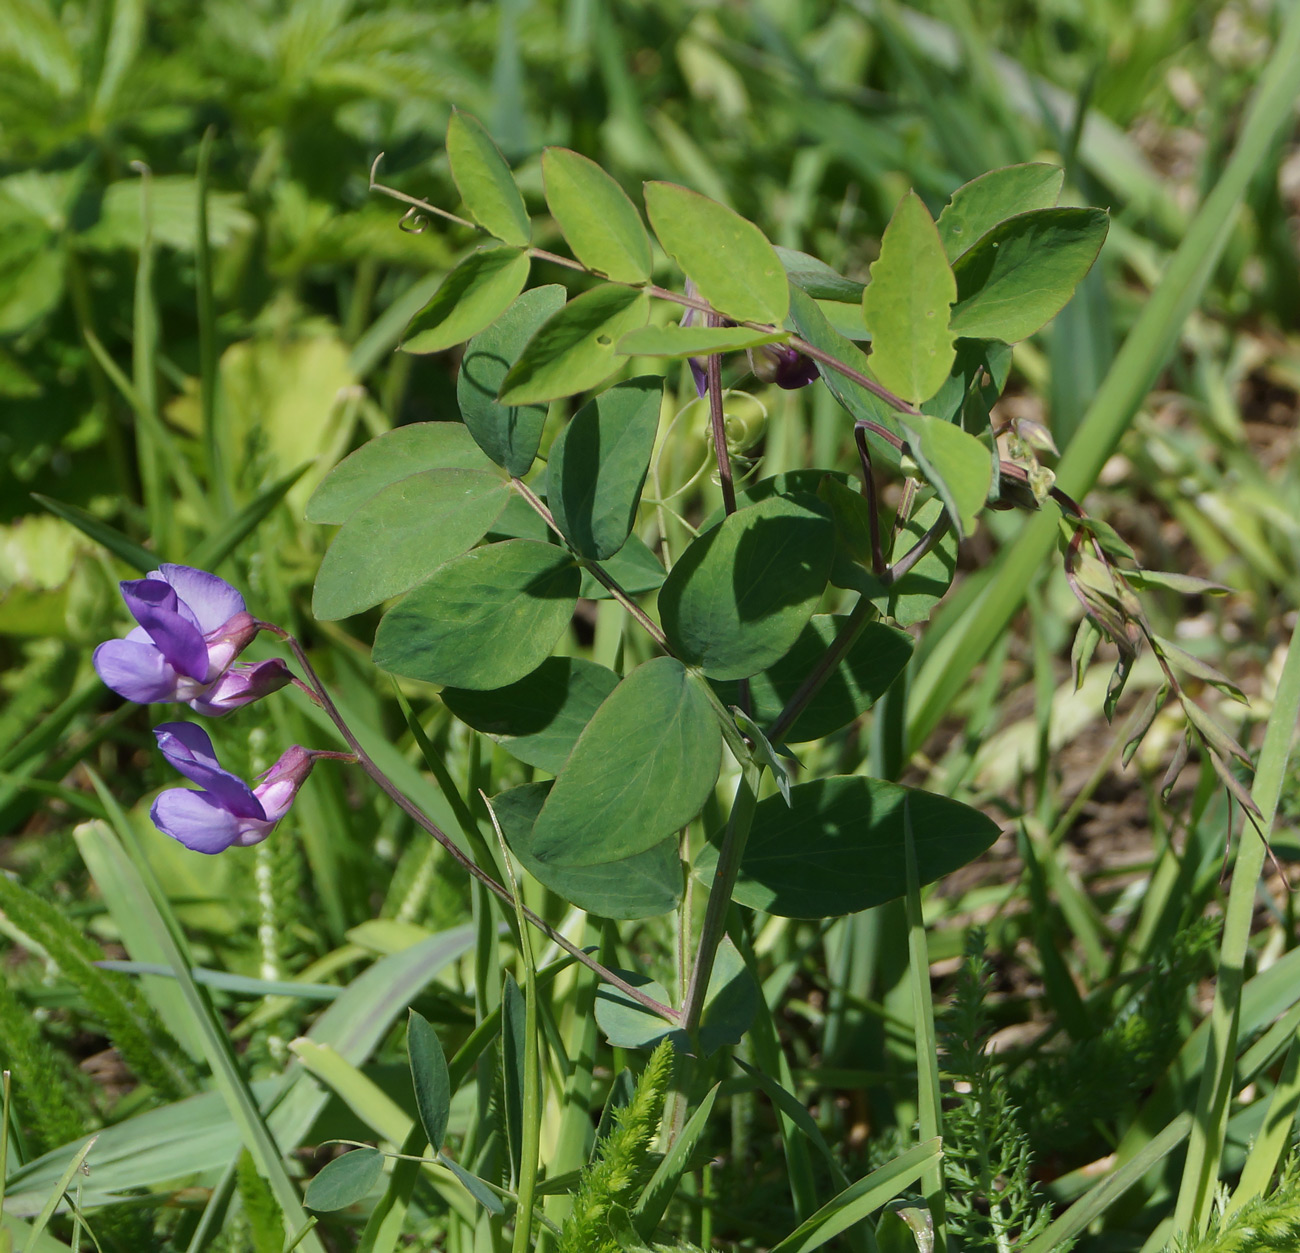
x,y
604,340
929,313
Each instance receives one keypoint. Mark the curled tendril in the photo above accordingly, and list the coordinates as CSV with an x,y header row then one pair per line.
x,y
417,221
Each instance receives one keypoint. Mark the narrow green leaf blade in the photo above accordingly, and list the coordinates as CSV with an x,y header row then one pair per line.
x,y
739,596
639,772
694,341
483,620
402,534
978,206
595,216
484,181
128,550
668,1174
1019,276
214,550
906,307
509,434
727,257
430,1077
576,349
471,297
598,466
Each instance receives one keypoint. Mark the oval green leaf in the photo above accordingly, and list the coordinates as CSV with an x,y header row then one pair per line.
x,y
645,885
874,661
907,305
1021,273
576,349
954,463
430,1078
484,620
394,455
598,465
345,1181
484,181
840,846
471,297
402,534
509,434
978,206
639,772
595,216
695,341
739,596
539,718
727,257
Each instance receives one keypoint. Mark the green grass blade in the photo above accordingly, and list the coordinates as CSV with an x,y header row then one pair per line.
x,y
213,551
855,1203
668,1174
128,550
1144,352
42,1219
1201,1169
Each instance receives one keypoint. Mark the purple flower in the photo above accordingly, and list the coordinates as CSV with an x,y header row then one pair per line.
x,y
227,811
192,627
786,367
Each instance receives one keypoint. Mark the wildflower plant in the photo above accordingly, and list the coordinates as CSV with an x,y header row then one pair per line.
x,y
664,780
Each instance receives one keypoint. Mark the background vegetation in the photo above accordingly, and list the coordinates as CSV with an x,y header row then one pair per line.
x,y
189,393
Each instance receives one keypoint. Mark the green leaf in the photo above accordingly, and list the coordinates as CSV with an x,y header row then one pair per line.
x,y
729,1008
595,216
662,1186
539,718
484,619
907,305
954,463
739,596
118,544
639,772
812,325
576,348
430,1077
694,341
471,298
860,1199
840,846
874,661
402,534
598,465
509,434
484,181
817,278
473,1185
391,456
978,206
1022,272
634,567
728,258
346,1180
644,885
513,1014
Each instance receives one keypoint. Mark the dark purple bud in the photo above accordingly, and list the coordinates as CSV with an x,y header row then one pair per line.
x,y
786,367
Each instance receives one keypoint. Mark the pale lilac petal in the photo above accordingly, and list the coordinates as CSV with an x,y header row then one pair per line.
x,y
282,782
228,641
188,749
154,606
200,822
699,374
212,600
241,686
136,670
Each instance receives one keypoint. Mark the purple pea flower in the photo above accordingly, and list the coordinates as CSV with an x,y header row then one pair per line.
x,y
192,627
227,811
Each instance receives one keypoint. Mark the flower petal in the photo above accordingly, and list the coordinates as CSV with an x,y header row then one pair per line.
x,y
154,606
200,822
212,600
136,670
240,686
282,782
188,748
